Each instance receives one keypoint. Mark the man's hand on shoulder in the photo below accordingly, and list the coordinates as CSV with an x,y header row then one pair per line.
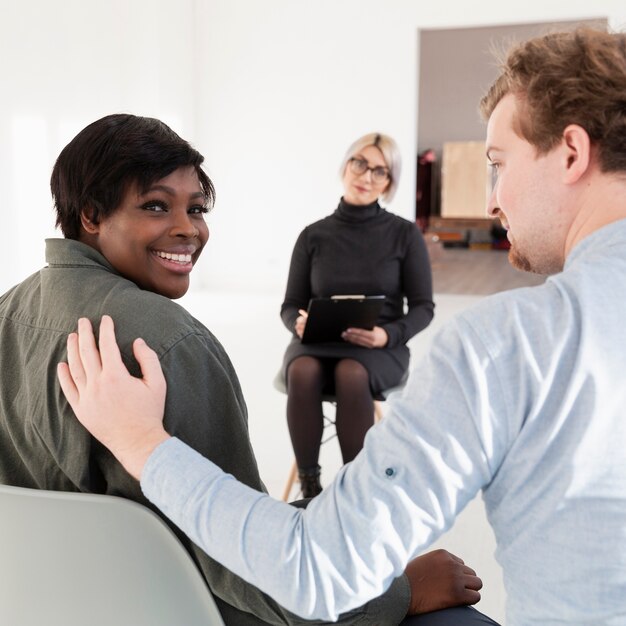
x,y
123,412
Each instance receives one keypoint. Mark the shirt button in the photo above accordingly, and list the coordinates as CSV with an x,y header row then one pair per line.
x,y
390,472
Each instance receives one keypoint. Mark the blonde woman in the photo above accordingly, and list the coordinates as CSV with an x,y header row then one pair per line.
x,y
359,249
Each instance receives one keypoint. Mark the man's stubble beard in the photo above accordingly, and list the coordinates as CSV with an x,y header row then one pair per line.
x,y
544,267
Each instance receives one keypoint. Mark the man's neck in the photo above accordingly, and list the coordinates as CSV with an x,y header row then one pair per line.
x,y
601,201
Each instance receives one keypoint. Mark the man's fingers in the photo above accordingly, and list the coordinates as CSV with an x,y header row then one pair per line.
x,y
109,350
149,364
88,352
67,383
74,361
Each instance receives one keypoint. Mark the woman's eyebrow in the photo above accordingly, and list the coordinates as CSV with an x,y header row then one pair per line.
x,y
171,191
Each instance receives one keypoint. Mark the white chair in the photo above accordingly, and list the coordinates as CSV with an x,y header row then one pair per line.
x,y
279,385
72,559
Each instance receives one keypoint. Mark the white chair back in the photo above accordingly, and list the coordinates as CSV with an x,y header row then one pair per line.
x,y
69,559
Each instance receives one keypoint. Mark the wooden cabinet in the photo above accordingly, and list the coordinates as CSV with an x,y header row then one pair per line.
x,y
465,180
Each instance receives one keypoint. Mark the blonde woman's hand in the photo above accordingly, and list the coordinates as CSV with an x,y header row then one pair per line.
x,y
375,338
301,322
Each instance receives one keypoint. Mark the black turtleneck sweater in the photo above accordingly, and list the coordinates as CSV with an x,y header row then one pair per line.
x,y
362,250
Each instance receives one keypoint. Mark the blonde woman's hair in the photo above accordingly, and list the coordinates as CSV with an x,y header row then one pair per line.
x,y
390,152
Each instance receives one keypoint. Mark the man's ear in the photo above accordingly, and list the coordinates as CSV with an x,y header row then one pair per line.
x,y
577,152
90,226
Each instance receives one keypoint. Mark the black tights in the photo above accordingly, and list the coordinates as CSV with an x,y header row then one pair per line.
x,y
307,378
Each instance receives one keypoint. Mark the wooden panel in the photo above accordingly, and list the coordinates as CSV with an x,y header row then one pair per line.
x,y
465,180
437,222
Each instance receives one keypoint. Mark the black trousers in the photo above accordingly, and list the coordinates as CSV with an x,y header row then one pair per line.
x,y
457,616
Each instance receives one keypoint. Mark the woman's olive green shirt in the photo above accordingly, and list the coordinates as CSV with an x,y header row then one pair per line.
x,y
43,446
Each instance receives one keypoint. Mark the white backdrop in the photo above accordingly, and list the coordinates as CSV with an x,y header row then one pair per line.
x,y
271,91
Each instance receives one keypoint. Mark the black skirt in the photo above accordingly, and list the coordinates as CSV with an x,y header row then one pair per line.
x,y
387,367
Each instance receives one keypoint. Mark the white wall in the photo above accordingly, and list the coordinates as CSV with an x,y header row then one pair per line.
x,y
63,65
288,84
272,92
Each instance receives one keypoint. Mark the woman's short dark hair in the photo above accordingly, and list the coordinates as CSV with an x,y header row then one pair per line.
x,y
94,170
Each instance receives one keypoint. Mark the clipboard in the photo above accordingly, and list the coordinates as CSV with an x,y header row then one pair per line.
x,y
329,317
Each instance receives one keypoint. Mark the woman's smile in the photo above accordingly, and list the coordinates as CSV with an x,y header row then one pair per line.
x,y
176,261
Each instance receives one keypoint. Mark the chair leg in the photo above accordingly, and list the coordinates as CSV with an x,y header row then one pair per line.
x,y
293,472
290,481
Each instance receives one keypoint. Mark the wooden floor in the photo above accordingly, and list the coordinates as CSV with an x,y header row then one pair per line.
x,y
480,272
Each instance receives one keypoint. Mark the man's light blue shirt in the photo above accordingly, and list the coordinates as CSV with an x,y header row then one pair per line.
x,y
522,397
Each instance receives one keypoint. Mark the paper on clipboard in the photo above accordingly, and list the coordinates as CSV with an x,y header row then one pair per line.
x,y
329,317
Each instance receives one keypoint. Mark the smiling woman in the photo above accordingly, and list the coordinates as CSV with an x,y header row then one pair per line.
x,y
131,198
133,190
